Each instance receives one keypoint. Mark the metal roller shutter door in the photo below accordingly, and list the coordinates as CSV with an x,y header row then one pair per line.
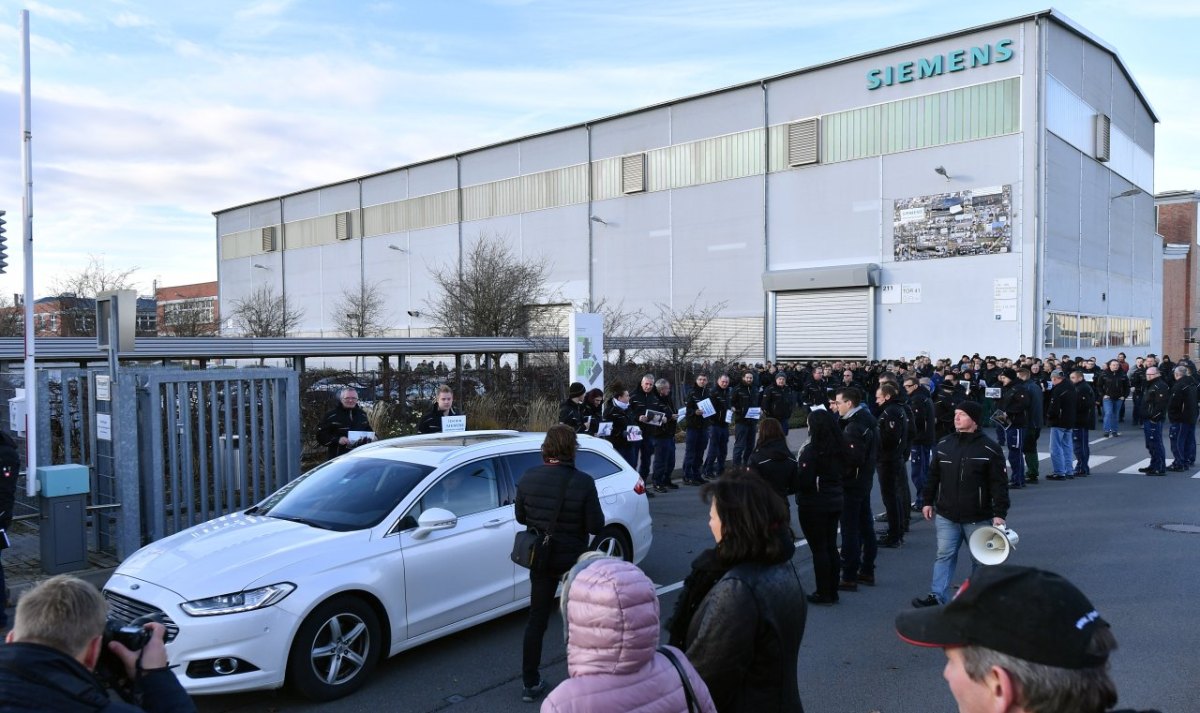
x,y
815,324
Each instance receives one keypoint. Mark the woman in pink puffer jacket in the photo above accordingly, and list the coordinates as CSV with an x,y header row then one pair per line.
x,y
611,613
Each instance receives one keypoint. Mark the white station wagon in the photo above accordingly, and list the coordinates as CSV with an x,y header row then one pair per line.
x,y
374,552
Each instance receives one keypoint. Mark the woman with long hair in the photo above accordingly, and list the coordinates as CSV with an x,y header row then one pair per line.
x,y
774,461
819,500
741,614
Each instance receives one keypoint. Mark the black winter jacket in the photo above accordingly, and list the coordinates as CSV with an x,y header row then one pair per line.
x,y
744,639
744,398
968,482
1181,406
861,432
1154,402
570,413
339,422
695,420
949,396
778,403
776,464
720,401
1014,401
10,468
38,678
431,422
538,492
1063,401
893,432
1113,386
819,480
1085,406
1036,405
923,427
621,419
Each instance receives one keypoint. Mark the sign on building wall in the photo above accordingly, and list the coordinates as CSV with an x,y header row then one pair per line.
x,y
974,222
889,294
587,350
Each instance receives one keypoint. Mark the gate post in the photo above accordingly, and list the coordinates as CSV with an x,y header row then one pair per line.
x,y
127,464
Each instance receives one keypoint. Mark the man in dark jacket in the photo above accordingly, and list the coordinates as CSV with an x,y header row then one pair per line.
x,y
696,432
1033,429
718,429
570,412
431,422
664,438
1085,421
923,434
1113,386
779,401
334,429
967,490
553,498
10,467
1155,397
55,645
861,433
745,403
949,394
893,451
1014,403
1181,413
644,399
1060,417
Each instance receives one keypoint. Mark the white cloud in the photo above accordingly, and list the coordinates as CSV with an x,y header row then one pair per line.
x,y
50,12
129,19
263,9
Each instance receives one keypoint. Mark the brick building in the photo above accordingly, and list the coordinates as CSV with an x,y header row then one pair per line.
x,y
1180,230
68,315
188,310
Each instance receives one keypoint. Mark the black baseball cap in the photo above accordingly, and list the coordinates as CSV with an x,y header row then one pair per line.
x,y
1027,613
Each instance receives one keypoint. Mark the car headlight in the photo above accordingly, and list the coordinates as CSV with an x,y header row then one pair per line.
x,y
239,601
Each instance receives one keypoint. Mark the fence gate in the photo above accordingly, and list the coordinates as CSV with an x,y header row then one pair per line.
x,y
193,445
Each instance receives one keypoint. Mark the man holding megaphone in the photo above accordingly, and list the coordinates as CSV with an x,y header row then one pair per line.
x,y
967,489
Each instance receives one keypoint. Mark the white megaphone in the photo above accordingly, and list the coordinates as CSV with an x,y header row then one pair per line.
x,y
992,545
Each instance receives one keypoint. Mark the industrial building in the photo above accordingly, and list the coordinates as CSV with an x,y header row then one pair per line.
x,y
985,190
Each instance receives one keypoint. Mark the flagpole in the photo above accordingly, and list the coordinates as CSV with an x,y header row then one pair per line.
x,y
31,484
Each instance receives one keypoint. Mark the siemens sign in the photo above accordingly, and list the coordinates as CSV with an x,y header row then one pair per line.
x,y
955,61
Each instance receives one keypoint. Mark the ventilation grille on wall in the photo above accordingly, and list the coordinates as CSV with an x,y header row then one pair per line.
x,y
343,228
1102,137
268,239
633,173
803,148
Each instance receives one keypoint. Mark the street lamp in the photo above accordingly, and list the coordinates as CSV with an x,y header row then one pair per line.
x,y
1126,193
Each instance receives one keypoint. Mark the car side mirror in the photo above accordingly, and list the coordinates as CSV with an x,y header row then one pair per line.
x,y
432,520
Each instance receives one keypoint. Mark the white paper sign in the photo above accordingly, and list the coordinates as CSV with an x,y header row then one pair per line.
x,y
104,426
754,413
633,433
992,392
889,294
1004,288
912,215
910,292
1004,310
604,429
729,415
103,388
681,414
454,424
706,408
356,436
1088,377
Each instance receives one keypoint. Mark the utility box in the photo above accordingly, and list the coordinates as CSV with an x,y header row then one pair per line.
x,y
63,524
16,412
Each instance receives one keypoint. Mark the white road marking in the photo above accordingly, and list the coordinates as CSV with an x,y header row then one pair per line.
x,y
1092,461
1043,456
1131,470
1101,438
1197,475
668,588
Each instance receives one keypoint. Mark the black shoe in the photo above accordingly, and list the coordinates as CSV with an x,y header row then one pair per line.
x,y
1056,476
915,507
529,694
660,489
845,586
881,517
928,600
867,579
1031,479
1176,468
891,543
881,534
1147,469
815,598
693,482
1015,486
672,485
1156,472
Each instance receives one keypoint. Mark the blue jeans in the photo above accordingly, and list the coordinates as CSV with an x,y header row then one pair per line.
x,y
1152,430
744,433
718,444
950,536
858,536
693,452
1183,444
1083,451
920,455
1060,451
1014,438
1112,409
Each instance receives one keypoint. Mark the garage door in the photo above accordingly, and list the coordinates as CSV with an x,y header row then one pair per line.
x,y
823,324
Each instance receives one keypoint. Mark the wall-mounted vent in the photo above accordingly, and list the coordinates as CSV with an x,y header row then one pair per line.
x,y
633,173
268,239
1103,136
343,227
803,148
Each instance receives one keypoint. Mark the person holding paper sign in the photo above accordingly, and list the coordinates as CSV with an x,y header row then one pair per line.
x,y
431,422
697,431
1085,421
334,429
570,412
616,414
664,438
779,401
745,402
718,433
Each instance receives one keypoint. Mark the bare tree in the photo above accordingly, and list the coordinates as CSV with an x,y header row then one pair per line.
x,y
360,312
692,327
187,320
263,313
620,321
74,295
495,294
12,318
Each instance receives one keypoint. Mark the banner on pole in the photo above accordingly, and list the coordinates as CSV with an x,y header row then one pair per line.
x,y
586,350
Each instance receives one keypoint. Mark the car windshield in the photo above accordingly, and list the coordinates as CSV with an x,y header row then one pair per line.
x,y
346,493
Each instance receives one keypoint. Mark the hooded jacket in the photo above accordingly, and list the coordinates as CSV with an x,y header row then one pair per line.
x,y
612,633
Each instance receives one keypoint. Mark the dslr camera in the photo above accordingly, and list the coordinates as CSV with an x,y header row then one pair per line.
x,y
133,636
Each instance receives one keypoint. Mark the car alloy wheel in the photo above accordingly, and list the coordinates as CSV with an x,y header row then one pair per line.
x,y
613,542
335,649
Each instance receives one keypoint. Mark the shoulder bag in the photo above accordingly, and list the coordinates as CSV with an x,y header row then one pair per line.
x,y
693,705
531,547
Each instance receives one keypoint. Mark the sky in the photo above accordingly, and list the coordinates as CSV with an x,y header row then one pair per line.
x,y
148,116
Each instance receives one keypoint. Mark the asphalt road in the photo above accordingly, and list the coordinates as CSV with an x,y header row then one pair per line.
x,y
1101,532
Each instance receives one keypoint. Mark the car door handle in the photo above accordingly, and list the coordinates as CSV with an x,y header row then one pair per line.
x,y
497,522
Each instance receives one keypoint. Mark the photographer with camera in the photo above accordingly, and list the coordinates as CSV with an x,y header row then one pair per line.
x,y
61,638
